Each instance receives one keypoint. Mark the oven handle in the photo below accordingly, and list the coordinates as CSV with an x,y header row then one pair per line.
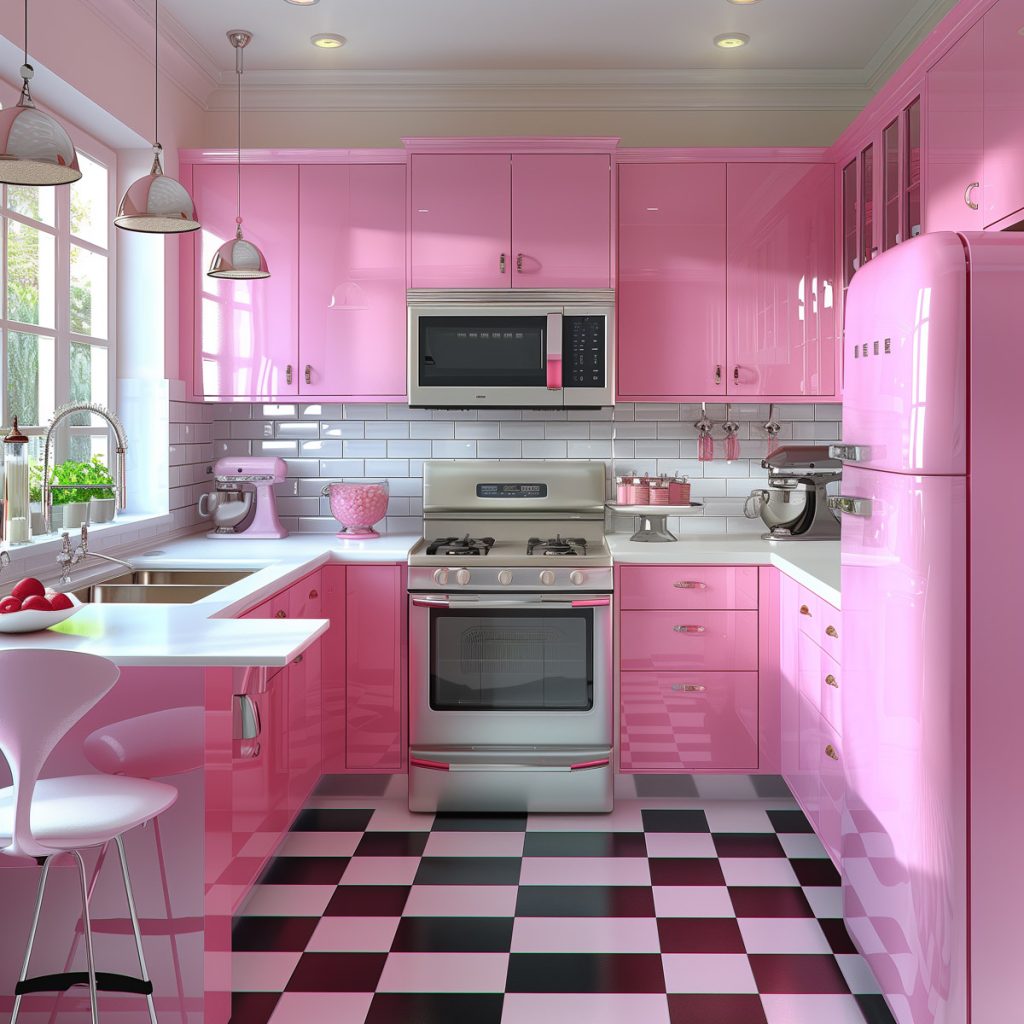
x,y
444,766
603,601
553,355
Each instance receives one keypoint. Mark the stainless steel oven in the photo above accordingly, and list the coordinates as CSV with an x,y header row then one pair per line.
x,y
533,349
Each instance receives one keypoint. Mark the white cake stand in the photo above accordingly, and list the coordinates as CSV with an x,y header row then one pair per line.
x,y
654,519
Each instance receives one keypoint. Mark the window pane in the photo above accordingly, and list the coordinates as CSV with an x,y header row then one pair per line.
x,y
88,384
89,202
88,292
31,275
32,201
31,376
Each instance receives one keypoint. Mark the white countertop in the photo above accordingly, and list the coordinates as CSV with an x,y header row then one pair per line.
x,y
814,564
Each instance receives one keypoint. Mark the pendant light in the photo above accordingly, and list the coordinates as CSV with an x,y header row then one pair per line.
x,y
155,202
238,259
35,149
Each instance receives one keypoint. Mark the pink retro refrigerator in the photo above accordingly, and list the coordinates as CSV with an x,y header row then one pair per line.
x,y
933,612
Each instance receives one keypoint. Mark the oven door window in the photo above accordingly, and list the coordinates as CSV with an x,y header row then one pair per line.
x,y
479,352
512,660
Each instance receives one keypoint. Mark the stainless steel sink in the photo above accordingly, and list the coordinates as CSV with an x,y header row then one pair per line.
x,y
160,586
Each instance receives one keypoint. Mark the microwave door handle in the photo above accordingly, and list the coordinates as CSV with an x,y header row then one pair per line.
x,y
553,355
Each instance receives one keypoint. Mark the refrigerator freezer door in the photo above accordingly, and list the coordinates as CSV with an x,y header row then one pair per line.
x,y
905,352
904,713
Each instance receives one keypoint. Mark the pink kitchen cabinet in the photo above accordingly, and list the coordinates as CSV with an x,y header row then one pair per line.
x,y
955,183
695,641
333,726
375,707
245,335
671,294
789,678
352,281
305,698
688,586
781,275
1003,63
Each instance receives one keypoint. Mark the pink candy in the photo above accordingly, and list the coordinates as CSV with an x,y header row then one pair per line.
x,y
357,506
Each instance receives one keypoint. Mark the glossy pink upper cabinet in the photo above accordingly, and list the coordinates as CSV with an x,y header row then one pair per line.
x,y
781,267
246,331
561,220
671,281
352,283
954,185
375,701
460,220
1004,110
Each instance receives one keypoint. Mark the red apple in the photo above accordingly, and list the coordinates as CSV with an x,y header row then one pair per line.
x,y
10,604
28,587
36,603
59,602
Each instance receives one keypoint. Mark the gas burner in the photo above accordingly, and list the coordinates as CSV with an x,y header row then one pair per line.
x,y
460,545
559,545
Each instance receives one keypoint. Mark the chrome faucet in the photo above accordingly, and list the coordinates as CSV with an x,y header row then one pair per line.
x,y
120,476
69,556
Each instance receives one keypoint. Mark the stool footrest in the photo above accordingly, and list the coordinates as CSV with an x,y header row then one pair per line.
x,y
105,982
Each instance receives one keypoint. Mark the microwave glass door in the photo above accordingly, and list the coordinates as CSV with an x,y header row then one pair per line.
x,y
482,351
512,659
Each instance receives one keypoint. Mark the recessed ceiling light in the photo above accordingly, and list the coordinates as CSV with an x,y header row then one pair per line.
x,y
327,40
731,40
309,3
739,3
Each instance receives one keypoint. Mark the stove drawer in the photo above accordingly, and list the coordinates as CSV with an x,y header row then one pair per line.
x,y
688,586
688,641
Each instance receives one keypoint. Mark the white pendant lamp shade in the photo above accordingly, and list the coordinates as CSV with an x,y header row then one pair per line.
x,y
238,259
156,203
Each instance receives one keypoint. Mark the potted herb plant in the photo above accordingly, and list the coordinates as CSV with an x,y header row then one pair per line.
x,y
71,506
101,497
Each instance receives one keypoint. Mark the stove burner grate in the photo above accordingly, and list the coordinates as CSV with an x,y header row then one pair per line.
x,y
557,545
460,545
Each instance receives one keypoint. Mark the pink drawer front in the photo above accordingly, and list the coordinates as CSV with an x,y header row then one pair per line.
x,y
831,704
833,791
686,721
684,640
688,586
810,655
821,622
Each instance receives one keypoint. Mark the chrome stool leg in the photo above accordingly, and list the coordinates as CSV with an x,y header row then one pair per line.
x,y
87,927
32,933
135,923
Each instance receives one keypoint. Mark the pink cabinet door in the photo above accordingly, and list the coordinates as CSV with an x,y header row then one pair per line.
x,y
561,220
671,281
789,678
305,697
806,785
675,721
460,220
832,790
689,641
688,586
781,273
1004,110
352,303
246,338
955,138
333,725
375,705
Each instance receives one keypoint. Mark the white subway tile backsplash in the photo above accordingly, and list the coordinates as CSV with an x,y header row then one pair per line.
x,y
477,431
364,449
338,468
521,431
545,450
386,429
454,449
499,449
432,429
409,449
298,428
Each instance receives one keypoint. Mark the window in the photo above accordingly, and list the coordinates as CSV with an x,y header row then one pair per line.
x,y
57,285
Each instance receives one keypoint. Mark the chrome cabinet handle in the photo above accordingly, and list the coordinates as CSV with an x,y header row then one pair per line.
x,y
735,375
501,263
519,262
690,585
688,687
849,452
688,629
248,725
831,681
314,593
851,506
288,374
832,632
282,614
967,194
309,374
830,751
804,610
718,374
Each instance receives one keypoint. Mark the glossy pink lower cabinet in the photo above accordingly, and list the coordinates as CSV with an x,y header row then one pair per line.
x,y
561,220
789,677
1003,193
781,280
245,332
333,727
305,699
679,721
352,281
375,706
671,294
806,784
686,586
688,640
955,182
832,792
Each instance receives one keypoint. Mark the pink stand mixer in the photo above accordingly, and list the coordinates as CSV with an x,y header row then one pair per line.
x,y
243,503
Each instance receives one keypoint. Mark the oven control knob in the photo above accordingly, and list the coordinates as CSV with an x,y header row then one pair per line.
x,y
576,578
462,577
504,577
547,577
441,577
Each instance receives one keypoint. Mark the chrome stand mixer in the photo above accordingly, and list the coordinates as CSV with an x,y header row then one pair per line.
x,y
794,504
243,503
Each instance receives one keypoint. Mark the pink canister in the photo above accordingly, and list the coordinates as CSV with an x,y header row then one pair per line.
x,y
679,491
659,493
641,491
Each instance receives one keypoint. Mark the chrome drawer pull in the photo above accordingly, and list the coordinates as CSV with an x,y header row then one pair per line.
x,y
688,629
850,506
281,614
830,751
831,681
832,632
690,585
688,687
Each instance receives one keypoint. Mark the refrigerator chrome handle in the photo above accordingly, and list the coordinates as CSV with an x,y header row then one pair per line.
x,y
851,506
849,452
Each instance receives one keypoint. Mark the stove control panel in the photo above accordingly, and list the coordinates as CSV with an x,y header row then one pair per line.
x,y
547,577
441,577
505,577
577,578
462,577
596,578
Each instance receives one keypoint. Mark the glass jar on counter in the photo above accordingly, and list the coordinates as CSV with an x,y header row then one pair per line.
x,y
17,520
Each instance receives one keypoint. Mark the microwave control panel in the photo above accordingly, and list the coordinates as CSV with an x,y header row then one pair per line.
x,y
583,348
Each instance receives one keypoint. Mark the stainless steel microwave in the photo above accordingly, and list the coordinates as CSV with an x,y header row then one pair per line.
x,y
529,349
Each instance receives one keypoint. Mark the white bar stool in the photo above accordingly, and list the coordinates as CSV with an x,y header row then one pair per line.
x,y
43,693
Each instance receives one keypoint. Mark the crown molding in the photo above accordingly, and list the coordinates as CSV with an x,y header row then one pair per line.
x,y
903,40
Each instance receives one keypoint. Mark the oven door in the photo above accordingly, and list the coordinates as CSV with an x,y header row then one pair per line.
x,y
531,671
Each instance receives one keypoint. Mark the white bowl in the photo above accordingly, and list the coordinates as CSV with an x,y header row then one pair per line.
x,y
31,621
